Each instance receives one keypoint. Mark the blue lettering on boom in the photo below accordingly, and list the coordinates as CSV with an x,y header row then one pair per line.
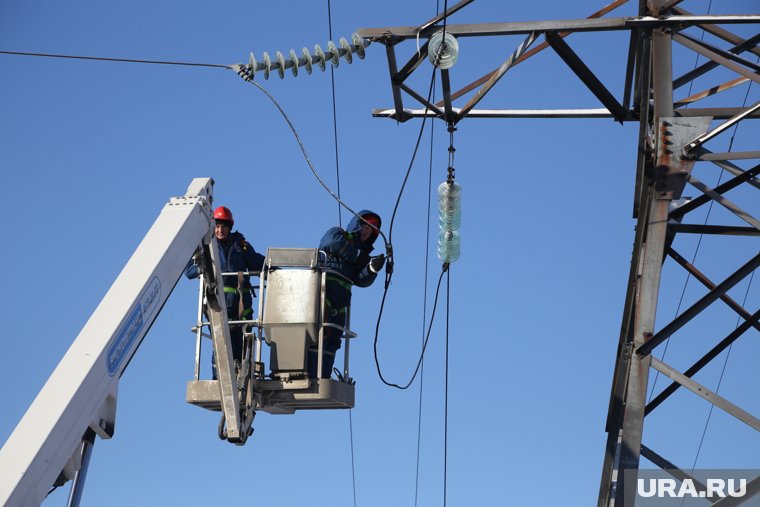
x,y
131,328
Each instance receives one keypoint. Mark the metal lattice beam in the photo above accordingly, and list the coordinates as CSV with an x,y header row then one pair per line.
x,y
673,141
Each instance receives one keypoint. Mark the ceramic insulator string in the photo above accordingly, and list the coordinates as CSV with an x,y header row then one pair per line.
x,y
306,60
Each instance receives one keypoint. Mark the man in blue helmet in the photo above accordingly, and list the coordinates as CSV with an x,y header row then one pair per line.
x,y
235,255
348,254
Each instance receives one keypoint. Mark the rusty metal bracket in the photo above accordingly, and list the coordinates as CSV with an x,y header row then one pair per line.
x,y
672,168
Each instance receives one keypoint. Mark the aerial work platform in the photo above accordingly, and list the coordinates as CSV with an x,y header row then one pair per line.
x,y
292,308
279,397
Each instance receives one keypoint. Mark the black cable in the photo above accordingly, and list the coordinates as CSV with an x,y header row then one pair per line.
x,y
335,118
699,241
353,467
720,381
424,302
424,345
380,233
128,60
445,18
746,295
308,161
387,243
411,162
161,62
340,224
389,273
446,395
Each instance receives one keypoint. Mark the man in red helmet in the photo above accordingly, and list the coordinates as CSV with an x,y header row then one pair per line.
x,y
348,254
235,255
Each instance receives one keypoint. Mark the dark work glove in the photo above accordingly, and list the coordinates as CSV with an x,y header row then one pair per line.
x,y
361,260
376,263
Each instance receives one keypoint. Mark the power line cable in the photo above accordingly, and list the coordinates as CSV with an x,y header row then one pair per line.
x,y
717,389
448,285
353,466
311,166
424,346
305,154
340,224
211,65
722,372
414,156
424,298
446,395
335,119
122,60
390,234
424,307
744,301
387,242
389,269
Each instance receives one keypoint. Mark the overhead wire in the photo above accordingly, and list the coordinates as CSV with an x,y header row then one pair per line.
x,y
335,118
387,239
342,203
389,275
311,166
340,224
424,302
123,60
720,381
444,270
448,286
353,466
214,65
411,162
424,346
422,128
390,236
424,297
744,301
446,393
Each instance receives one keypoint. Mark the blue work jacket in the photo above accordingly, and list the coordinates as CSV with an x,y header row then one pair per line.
x,y
235,254
348,255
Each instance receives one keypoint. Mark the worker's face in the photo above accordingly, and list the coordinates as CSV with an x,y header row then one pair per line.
x,y
221,231
365,232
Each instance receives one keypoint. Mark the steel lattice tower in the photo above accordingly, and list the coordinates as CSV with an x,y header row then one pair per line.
x,y
674,151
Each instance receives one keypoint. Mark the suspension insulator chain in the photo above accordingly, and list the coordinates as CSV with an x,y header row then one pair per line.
x,y
307,60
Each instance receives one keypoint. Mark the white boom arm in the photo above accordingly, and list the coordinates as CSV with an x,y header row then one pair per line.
x,y
81,392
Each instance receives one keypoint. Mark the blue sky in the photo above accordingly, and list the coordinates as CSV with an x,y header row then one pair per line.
x,y
91,151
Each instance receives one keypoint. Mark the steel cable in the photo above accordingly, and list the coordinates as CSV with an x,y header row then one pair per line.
x,y
424,302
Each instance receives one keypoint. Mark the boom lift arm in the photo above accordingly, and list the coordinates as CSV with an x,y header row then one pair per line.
x,y
48,445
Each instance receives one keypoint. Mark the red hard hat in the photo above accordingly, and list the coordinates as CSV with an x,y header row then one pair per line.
x,y
222,213
372,219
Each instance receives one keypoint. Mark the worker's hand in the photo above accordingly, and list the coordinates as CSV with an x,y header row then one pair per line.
x,y
376,263
198,257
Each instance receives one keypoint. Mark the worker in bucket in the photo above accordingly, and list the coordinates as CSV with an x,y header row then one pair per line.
x,y
235,255
347,253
